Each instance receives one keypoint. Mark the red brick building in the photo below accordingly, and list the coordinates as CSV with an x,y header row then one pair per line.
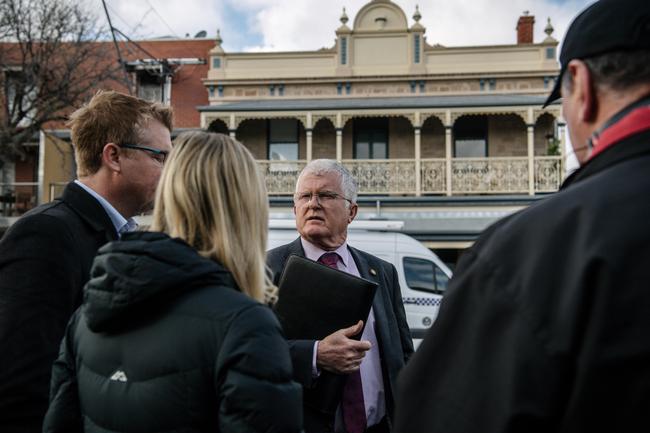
x,y
168,70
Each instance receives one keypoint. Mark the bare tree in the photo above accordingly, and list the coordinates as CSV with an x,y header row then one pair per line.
x,y
52,55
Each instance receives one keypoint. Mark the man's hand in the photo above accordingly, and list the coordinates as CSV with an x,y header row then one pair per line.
x,y
340,354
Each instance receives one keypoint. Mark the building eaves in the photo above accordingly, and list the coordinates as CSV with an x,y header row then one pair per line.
x,y
464,101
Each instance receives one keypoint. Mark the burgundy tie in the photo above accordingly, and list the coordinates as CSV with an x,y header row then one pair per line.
x,y
352,405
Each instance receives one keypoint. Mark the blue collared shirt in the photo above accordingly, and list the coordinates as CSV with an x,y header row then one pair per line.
x,y
122,225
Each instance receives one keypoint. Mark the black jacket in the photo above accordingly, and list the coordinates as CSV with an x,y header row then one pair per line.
x,y
164,341
546,324
45,258
393,334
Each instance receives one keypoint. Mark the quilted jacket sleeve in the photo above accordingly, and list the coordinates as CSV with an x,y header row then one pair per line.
x,y
64,412
254,377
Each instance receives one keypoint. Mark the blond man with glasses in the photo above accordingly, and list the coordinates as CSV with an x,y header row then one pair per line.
x,y
45,257
174,333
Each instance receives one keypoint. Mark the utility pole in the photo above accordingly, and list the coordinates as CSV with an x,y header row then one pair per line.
x,y
117,48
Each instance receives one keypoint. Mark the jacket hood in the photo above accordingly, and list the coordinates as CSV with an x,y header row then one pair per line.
x,y
141,272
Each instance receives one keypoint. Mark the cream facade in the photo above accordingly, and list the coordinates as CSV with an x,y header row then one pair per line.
x,y
408,118
448,139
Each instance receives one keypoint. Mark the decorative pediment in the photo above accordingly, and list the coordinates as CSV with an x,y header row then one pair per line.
x,y
380,15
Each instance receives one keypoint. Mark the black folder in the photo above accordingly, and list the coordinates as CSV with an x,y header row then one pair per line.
x,y
314,301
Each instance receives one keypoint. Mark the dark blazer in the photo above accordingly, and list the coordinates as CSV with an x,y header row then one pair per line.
x,y
45,259
545,325
393,335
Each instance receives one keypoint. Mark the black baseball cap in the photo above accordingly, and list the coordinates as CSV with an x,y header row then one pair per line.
x,y
605,26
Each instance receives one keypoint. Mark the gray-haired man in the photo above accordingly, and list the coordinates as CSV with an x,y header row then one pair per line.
x,y
324,205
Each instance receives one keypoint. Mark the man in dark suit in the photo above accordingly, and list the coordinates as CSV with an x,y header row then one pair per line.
x,y
324,205
120,145
545,326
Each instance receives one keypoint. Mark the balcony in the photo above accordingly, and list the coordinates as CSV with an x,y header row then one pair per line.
x,y
17,198
434,176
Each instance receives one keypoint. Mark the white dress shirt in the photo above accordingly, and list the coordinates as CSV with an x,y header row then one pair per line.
x,y
121,224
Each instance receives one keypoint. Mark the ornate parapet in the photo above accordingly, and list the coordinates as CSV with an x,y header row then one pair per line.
x,y
507,175
440,115
434,176
210,119
239,118
489,175
549,172
455,115
281,176
383,176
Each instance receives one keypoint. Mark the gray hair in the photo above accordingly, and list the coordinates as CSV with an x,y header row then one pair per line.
x,y
618,70
320,167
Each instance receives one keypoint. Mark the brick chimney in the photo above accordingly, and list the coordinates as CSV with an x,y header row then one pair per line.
x,y
525,28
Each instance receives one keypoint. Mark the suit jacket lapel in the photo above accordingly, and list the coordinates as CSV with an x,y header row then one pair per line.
x,y
386,339
295,247
378,304
89,209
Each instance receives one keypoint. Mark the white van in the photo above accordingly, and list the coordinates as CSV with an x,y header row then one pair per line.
x,y
423,277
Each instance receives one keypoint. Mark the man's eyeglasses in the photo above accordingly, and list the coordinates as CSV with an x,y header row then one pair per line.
x,y
157,154
322,197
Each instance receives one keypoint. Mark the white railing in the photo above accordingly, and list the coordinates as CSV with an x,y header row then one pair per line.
x,y
434,176
383,176
281,176
56,189
18,197
489,175
507,175
548,173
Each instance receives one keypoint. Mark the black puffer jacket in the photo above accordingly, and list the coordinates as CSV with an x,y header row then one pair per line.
x,y
164,342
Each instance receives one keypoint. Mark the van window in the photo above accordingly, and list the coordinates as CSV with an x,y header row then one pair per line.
x,y
424,275
441,279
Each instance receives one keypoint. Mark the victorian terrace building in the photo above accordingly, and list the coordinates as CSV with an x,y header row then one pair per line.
x,y
437,136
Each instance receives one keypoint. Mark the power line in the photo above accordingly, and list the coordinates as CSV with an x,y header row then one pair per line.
x,y
162,19
117,48
141,19
114,13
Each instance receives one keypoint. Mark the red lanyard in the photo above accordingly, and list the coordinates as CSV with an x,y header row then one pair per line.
x,y
635,122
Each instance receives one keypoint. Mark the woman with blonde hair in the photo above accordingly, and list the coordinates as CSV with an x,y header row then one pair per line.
x,y
172,334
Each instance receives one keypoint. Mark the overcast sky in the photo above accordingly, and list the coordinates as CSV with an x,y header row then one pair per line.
x,y
285,25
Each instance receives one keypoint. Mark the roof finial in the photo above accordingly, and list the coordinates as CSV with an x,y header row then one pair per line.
x,y
344,17
219,40
549,28
417,16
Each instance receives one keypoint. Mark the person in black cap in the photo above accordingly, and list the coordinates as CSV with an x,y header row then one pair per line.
x,y
545,326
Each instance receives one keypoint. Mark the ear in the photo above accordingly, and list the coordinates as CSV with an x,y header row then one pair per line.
x,y
111,154
353,212
585,91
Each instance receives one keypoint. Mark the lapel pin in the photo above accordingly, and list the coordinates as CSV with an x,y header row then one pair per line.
x,y
373,272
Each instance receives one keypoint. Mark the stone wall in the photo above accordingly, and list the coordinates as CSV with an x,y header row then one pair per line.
x,y
507,136
324,140
401,138
348,140
544,127
253,134
433,139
